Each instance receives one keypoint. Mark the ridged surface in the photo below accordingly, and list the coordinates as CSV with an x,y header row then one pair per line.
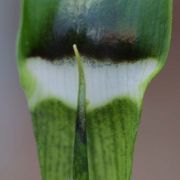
x,y
54,127
111,132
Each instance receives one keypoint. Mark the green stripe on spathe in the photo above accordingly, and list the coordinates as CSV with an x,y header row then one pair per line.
x,y
111,132
54,127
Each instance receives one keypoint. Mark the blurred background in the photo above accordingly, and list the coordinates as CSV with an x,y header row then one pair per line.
x,y
157,153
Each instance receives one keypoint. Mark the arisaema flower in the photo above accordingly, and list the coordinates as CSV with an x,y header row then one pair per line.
x,y
84,66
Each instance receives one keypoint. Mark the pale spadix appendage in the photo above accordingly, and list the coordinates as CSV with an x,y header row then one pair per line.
x,y
123,45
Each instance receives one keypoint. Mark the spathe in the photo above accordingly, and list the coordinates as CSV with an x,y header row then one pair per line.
x,y
123,44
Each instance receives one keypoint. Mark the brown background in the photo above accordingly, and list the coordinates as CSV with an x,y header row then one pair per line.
x,y
157,155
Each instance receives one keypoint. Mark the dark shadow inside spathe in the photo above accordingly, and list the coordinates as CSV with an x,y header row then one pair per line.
x,y
111,46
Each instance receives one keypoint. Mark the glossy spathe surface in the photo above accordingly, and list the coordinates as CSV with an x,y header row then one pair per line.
x,y
120,30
